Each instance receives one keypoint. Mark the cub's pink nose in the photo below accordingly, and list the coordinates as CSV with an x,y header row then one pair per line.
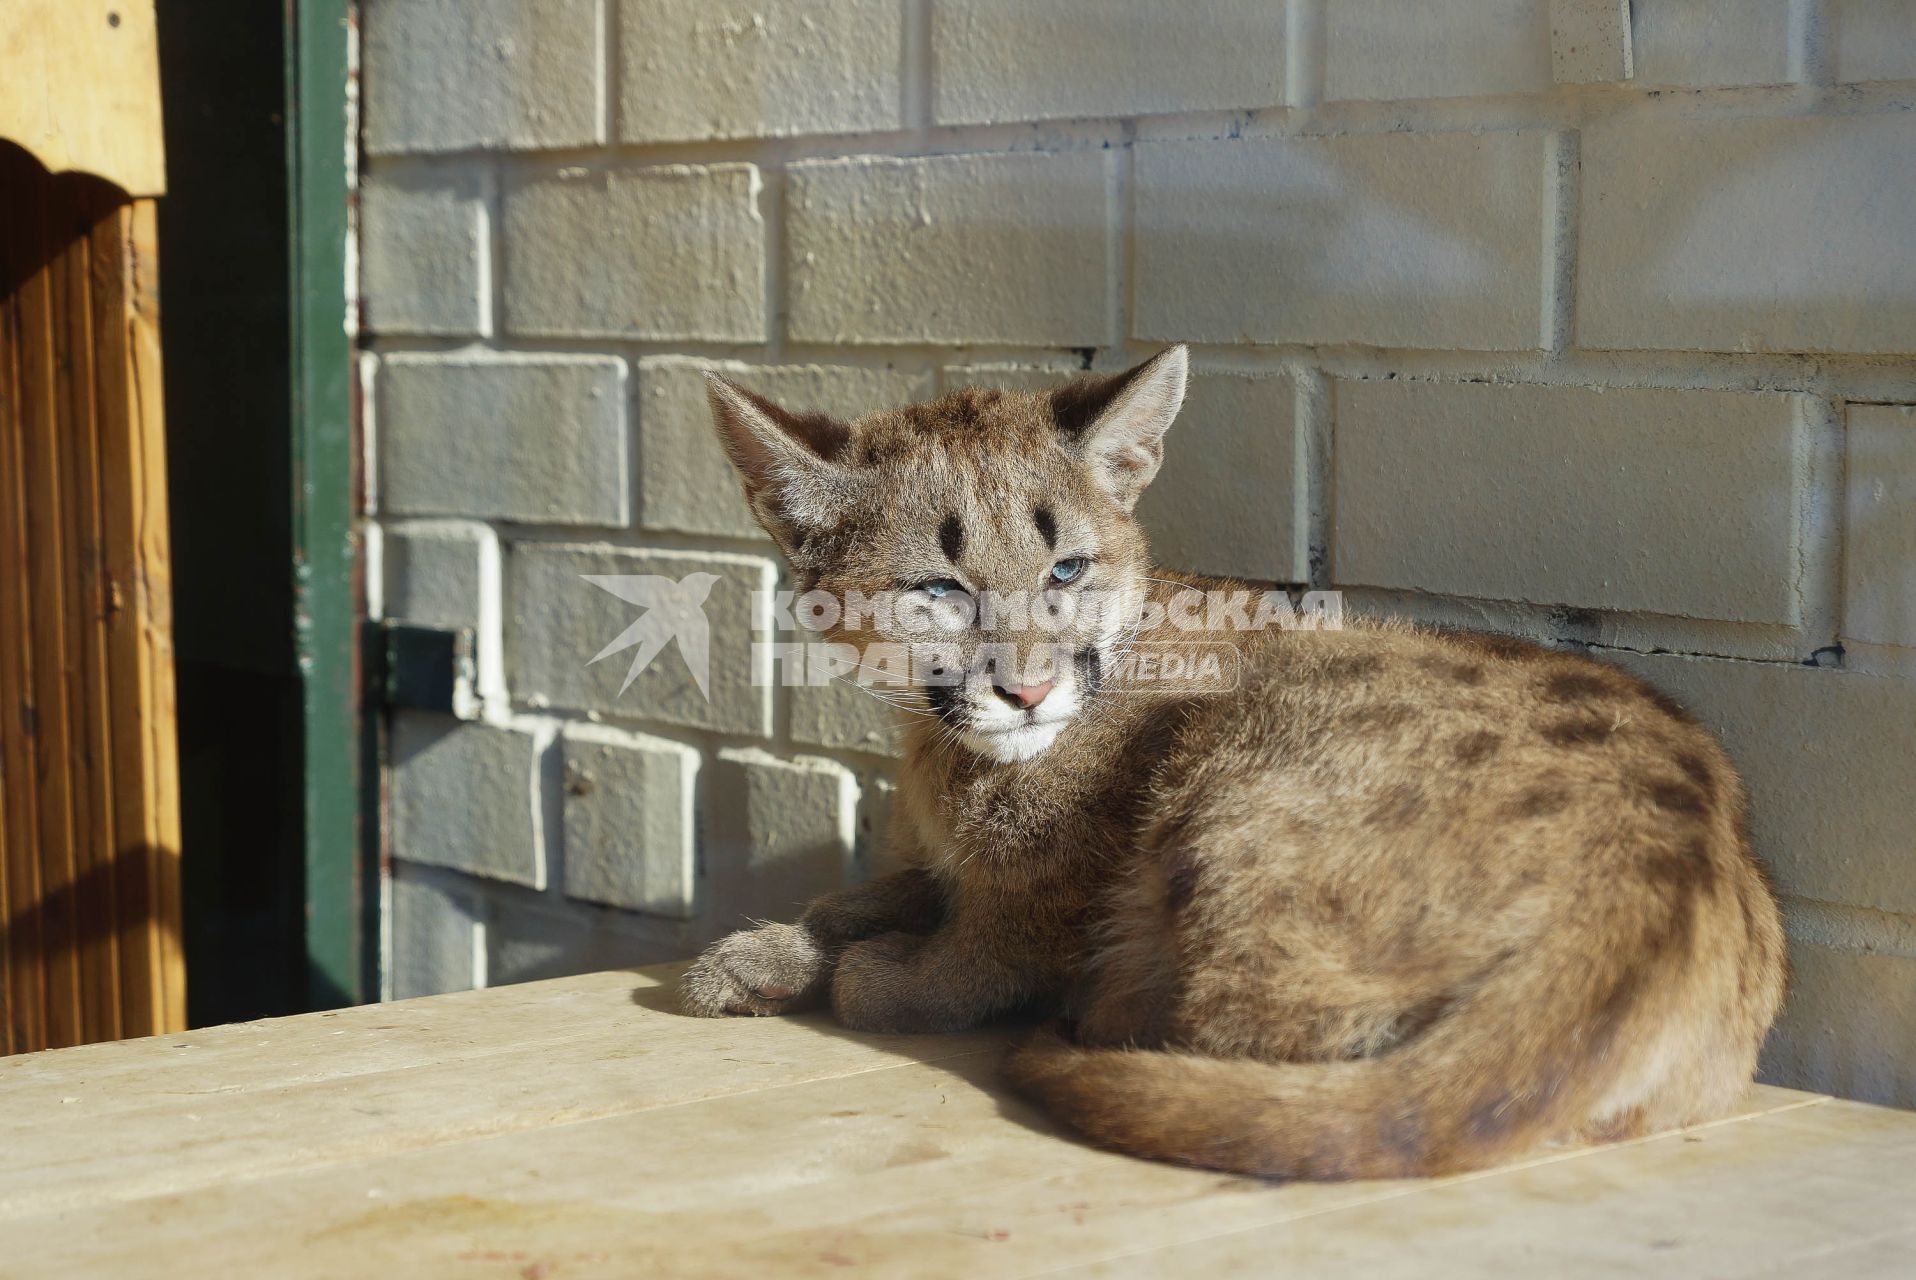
x,y
1026,696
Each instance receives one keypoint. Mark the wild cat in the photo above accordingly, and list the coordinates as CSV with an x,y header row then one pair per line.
x,y
1398,903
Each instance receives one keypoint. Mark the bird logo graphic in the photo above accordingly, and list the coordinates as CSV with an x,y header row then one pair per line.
x,y
673,611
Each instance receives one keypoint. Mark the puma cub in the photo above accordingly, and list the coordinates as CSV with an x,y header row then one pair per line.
x,y
1399,902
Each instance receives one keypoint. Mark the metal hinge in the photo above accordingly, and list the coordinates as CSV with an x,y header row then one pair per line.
x,y
428,669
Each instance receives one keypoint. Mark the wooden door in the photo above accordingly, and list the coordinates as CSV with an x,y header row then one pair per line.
x,y
89,815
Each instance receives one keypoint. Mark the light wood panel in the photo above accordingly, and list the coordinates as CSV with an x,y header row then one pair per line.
x,y
582,1128
89,832
81,88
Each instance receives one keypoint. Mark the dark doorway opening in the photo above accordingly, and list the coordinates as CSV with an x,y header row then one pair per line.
x,y
227,337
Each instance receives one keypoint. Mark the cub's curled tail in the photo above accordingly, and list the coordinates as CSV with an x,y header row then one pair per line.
x,y
1364,1119
1538,1052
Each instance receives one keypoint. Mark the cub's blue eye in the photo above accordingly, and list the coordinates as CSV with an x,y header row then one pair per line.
x,y
939,588
1067,570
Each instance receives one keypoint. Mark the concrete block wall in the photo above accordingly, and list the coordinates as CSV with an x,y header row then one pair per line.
x,y
1587,320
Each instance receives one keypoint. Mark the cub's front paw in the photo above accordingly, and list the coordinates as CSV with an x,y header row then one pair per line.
x,y
775,968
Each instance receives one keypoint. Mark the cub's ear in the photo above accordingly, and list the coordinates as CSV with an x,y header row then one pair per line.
x,y
787,461
1116,424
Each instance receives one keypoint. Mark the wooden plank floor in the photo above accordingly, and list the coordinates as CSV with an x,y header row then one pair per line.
x,y
580,1127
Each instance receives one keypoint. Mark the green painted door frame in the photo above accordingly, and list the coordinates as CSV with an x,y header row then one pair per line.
x,y
340,762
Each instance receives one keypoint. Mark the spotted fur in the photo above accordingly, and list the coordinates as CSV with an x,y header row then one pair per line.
x,y
1400,902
